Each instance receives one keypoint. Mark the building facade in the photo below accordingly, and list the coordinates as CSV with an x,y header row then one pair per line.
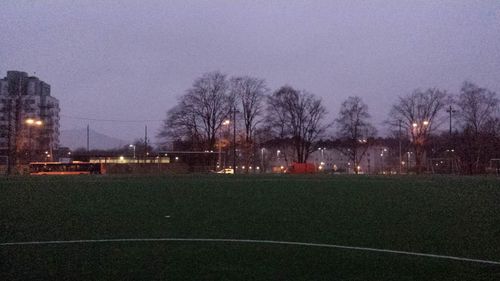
x,y
376,160
29,119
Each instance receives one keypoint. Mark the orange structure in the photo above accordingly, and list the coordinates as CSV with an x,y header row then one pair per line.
x,y
302,168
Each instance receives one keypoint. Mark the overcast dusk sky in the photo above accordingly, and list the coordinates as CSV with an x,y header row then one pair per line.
x,y
130,60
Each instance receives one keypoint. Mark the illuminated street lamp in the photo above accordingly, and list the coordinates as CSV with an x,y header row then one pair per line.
x,y
30,122
419,130
133,147
423,124
224,123
33,122
322,149
382,159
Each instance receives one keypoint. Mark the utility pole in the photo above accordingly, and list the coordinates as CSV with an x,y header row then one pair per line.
x,y
88,138
145,142
450,110
234,138
400,156
262,160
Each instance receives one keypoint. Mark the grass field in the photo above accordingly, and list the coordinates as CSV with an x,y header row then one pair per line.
x,y
454,216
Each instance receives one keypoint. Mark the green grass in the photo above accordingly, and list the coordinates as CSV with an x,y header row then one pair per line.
x,y
456,216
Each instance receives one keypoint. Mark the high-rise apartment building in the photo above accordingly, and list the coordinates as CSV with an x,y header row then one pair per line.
x,y
29,119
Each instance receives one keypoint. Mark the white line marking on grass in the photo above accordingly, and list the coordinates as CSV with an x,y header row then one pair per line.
x,y
251,242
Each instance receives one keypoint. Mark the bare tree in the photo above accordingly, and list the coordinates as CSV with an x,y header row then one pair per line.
x,y
296,115
180,125
477,109
250,93
354,129
201,111
418,114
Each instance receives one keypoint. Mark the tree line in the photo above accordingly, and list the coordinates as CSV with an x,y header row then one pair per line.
x,y
241,115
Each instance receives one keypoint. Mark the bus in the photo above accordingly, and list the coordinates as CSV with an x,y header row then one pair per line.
x,y
61,168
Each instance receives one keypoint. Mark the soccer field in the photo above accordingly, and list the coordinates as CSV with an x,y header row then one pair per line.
x,y
227,227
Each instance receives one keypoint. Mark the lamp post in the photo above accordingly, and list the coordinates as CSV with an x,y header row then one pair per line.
x,y
408,162
419,137
234,111
262,160
225,123
322,149
382,159
400,147
30,122
450,110
133,147
322,162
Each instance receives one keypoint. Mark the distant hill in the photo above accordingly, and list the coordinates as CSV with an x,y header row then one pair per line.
x,y
77,138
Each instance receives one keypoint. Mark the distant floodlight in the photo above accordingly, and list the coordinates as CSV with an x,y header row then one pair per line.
x,y
33,122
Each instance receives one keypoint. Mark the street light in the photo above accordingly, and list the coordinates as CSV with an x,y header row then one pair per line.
x,y
224,123
262,159
322,149
400,148
382,159
408,160
419,137
30,122
420,125
132,146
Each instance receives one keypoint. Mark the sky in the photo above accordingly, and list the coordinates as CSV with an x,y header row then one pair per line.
x,y
130,60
